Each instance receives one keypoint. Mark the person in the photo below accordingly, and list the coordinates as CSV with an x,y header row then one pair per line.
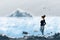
x,y
43,23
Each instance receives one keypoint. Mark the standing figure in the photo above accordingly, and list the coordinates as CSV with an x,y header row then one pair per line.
x,y
43,23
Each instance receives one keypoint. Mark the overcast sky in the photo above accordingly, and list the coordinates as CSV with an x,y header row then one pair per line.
x,y
36,7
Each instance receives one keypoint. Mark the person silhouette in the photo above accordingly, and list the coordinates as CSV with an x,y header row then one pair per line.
x,y
43,23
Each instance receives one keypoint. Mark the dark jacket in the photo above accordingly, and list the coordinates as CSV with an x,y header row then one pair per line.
x,y
43,23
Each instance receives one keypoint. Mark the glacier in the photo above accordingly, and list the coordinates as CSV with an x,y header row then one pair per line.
x,y
13,27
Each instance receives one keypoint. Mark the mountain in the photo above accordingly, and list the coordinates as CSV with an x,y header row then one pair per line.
x,y
20,13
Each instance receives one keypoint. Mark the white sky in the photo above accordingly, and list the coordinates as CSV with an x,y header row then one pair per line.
x,y
36,7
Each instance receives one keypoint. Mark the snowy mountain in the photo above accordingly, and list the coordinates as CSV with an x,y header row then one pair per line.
x,y
20,13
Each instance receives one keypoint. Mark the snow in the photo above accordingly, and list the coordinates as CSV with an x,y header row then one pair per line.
x,y
13,27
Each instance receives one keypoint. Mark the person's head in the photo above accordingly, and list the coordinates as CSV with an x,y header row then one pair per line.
x,y
43,16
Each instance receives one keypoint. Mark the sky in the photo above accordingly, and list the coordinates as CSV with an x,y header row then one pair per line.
x,y
35,7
